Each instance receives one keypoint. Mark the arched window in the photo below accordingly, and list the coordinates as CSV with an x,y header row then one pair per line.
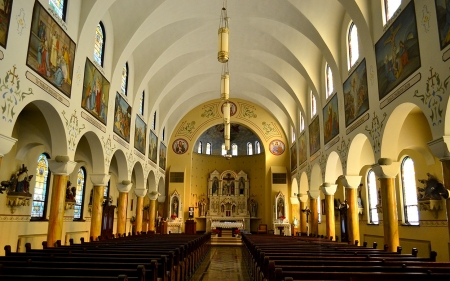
x,y
200,147
154,121
124,84
319,209
141,103
410,208
330,87
79,195
353,47
390,6
249,148
40,192
59,7
164,134
99,44
106,191
292,134
208,148
313,105
234,149
373,197
302,122
257,147
224,151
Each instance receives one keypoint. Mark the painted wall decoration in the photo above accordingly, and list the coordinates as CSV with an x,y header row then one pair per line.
x,y
397,52
95,94
331,119
293,157
5,18
20,19
122,117
314,136
180,146
443,21
73,129
276,147
11,94
51,52
162,155
356,96
302,148
376,131
153,147
140,133
233,108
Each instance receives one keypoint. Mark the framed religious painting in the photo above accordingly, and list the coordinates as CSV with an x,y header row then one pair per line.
x,y
302,148
122,117
51,52
356,96
95,95
443,21
397,52
331,119
140,134
293,157
314,136
180,146
162,155
153,147
5,18
276,147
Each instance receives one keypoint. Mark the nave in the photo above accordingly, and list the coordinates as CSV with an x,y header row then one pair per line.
x,y
223,263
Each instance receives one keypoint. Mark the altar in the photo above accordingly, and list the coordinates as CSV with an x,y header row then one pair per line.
x,y
174,226
282,228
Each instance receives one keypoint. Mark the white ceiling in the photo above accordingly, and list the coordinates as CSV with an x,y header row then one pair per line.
x,y
278,49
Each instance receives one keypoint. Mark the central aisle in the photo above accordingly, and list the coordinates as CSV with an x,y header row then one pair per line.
x,y
222,264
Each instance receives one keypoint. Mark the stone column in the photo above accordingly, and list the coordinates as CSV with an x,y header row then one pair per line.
x,y
303,198
351,184
386,171
440,149
329,190
60,167
313,195
124,187
6,143
153,196
140,193
99,181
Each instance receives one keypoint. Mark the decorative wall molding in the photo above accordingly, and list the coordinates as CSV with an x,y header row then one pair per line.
x,y
94,122
14,218
411,82
121,142
434,223
49,90
358,123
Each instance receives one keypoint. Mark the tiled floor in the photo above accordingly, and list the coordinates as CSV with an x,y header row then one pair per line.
x,y
222,264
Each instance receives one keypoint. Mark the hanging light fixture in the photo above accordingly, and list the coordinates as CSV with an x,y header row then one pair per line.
x,y
226,112
222,55
225,82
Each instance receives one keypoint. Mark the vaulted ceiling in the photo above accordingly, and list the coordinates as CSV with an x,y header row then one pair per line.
x,y
278,50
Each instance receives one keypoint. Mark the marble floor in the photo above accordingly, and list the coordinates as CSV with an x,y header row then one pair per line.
x,y
222,263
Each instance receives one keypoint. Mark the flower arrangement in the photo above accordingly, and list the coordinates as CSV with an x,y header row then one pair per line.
x,y
281,217
173,216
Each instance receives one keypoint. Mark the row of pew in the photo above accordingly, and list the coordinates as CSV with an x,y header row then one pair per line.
x,y
145,257
283,258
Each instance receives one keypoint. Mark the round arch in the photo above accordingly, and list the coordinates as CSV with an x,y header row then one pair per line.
x,y
316,177
360,153
333,167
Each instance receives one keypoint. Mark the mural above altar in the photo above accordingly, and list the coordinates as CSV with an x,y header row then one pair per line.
x,y
228,195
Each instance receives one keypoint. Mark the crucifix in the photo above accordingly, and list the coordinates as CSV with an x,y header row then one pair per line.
x,y
307,211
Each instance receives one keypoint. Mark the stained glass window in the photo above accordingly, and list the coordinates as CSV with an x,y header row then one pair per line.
x,y
79,195
99,44
200,148
208,148
373,197
257,147
224,151
141,103
410,208
390,7
292,134
353,47
59,7
330,87
313,105
39,207
124,84
164,134
249,148
154,121
234,149
302,122
106,191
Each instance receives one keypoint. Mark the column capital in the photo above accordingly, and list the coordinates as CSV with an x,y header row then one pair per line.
x,y
153,195
350,181
140,192
6,143
302,197
314,194
386,168
124,186
328,189
440,148
100,179
61,165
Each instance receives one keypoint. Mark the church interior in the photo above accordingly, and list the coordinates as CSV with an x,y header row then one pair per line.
x,y
295,118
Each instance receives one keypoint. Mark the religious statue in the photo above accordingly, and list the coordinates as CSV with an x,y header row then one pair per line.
x,y
232,188
241,185
215,185
433,189
202,205
295,222
70,192
253,208
19,182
